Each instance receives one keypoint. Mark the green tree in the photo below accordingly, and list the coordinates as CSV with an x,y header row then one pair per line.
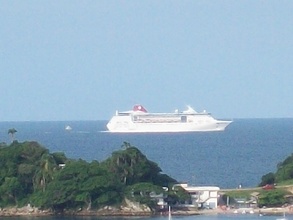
x,y
143,192
272,198
11,132
176,194
82,184
125,145
267,179
284,172
30,173
22,161
132,166
44,172
25,172
11,189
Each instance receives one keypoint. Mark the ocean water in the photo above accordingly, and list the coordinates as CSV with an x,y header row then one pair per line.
x,y
246,150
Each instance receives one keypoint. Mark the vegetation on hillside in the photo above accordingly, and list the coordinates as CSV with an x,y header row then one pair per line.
x,y
284,173
265,198
272,198
29,173
273,187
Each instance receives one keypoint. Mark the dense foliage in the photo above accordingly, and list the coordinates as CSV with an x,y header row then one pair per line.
x,y
284,172
272,198
271,194
29,173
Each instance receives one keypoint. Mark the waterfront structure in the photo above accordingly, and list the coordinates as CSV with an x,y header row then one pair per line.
x,y
205,197
139,120
160,200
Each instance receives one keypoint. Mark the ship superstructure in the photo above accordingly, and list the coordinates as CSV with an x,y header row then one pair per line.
x,y
140,120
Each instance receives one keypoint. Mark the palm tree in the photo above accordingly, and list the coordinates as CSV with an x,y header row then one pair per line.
x,y
11,132
44,174
126,145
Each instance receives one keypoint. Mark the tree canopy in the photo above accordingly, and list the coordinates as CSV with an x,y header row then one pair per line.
x,y
284,173
29,173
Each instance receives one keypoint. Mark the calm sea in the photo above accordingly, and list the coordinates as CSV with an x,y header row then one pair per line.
x,y
246,150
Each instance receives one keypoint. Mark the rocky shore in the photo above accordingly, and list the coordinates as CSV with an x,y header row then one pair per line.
x,y
260,211
135,209
128,209
24,211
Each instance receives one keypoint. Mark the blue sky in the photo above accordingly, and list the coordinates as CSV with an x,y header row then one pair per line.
x,y
82,60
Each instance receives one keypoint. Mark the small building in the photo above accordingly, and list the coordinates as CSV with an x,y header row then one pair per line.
x,y
240,203
201,196
160,199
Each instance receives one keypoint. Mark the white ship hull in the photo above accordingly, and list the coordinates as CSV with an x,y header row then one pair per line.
x,y
188,121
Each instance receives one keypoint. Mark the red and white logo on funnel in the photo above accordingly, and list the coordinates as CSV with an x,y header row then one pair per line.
x,y
139,108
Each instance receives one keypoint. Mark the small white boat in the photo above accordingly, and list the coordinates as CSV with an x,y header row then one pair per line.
x,y
68,128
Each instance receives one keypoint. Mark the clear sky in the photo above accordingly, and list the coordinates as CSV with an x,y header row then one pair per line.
x,y
83,60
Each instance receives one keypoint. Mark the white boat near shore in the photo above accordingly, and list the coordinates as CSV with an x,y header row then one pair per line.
x,y
139,120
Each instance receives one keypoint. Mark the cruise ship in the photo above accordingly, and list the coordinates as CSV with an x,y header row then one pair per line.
x,y
140,120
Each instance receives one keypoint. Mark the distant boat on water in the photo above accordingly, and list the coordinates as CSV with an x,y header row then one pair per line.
x,y
139,120
68,128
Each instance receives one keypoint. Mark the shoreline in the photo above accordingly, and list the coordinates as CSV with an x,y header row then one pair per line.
x,y
35,212
260,211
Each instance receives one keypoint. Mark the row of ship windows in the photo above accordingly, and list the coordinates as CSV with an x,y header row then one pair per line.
x,y
167,120
183,119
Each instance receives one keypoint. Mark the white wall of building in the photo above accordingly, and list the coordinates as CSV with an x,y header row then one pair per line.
x,y
206,196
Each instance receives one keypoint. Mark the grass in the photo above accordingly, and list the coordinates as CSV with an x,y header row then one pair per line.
x,y
241,194
286,182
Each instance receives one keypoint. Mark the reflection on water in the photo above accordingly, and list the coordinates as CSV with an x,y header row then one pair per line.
x,y
194,217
